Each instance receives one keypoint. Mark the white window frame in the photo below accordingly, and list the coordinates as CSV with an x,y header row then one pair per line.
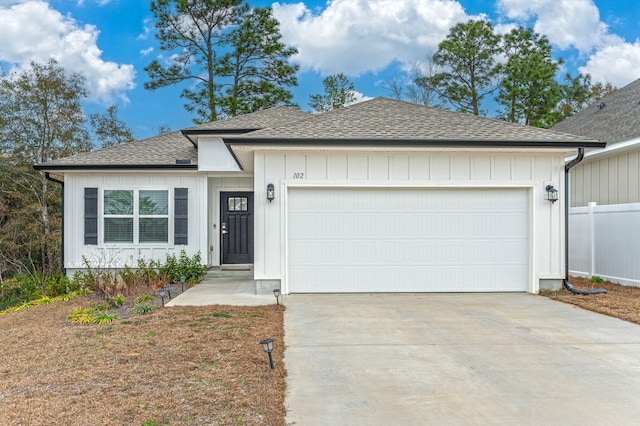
x,y
136,216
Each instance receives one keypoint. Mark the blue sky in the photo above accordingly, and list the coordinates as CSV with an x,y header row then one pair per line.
x,y
371,41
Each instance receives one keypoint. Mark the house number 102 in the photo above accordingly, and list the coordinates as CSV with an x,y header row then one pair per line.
x,y
298,175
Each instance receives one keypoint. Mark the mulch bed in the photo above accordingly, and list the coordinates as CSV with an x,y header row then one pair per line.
x,y
173,366
620,301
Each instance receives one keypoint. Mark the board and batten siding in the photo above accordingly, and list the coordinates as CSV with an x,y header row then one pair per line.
x,y
611,180
119,255
465,169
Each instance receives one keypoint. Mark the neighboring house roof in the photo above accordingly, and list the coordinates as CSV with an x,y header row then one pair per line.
x,y
388,120
614,118
379,121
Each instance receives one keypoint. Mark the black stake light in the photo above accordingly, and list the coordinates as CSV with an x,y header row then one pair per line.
x,y
162,293
276,293
182,280
267,345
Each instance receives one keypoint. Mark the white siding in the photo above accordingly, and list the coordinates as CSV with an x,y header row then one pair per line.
x,y
117,256
410,169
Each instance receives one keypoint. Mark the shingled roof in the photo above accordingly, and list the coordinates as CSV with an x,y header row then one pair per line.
x,y
614,118
374,122
157,152
271,117
171,150
389,120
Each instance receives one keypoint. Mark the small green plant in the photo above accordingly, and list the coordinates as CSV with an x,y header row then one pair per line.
x,y
104,318
596,279
118,301
222,315
91,315
145,298
143,308
81,316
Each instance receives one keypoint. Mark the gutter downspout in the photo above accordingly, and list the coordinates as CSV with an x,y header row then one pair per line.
x,y
61,183
566,282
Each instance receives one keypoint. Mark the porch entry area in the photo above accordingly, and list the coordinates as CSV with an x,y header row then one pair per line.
x,y
236,227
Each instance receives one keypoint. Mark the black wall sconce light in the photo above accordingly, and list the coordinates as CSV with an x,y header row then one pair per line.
x,y
552,193
271,192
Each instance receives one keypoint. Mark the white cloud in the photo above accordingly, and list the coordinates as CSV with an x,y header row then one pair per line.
x,y
576,24
147,51
567,23
33,31
147,29
618,64
356,36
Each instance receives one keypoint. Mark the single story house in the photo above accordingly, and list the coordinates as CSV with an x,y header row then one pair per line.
x,y
380,196
605,189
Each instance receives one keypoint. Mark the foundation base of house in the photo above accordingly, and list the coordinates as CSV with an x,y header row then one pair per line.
x,y
553,285
266,286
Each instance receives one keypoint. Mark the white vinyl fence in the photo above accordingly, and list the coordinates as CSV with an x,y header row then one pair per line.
x,y
605,241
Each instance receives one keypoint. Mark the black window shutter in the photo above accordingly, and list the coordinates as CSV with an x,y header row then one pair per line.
x,y
91,216
181,216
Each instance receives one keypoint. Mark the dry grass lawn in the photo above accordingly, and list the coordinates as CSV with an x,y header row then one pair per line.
x,y
620,301
173,366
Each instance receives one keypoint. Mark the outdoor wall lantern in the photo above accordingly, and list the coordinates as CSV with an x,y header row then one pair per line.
x,y
271,192
552,193
276,293
267,345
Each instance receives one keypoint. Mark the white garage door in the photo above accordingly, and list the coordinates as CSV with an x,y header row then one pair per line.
x,y
407,240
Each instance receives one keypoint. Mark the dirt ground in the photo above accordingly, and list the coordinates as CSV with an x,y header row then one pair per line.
x,y
173,366
620,301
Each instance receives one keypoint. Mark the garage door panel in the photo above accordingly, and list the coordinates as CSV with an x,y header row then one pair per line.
x,y
407,240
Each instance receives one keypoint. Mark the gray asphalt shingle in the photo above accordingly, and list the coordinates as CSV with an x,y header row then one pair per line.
x,y
379,119
615,118
389,119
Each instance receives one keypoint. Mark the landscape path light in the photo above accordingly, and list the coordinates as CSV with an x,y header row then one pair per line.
x,y
182,280
276,293
162,293
267,345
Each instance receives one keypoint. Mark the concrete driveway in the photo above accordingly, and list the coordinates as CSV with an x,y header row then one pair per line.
x,y
407,359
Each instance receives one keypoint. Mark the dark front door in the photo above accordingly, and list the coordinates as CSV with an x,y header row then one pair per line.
x,y
237,227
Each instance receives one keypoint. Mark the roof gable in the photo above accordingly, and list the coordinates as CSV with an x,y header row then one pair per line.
x,y
614,118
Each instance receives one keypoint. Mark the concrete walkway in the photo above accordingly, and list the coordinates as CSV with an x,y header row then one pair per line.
x,y
222,291
457,359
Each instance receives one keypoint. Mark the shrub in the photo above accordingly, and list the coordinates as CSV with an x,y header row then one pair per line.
x,y
59,284
118,300
596,279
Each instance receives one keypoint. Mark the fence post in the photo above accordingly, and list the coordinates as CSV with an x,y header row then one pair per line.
x,y
592,240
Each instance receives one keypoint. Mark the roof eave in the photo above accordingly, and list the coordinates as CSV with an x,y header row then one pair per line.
x,y
590,143
80,167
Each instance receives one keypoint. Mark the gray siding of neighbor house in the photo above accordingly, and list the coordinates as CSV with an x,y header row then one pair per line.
x,y
610,180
